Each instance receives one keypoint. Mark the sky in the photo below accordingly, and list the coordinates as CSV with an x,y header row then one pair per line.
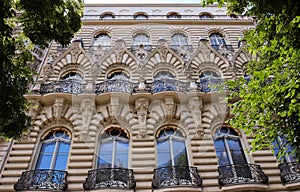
x,y
141,1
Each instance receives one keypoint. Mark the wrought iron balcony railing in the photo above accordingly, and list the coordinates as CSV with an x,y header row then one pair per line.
x,y
118,85
42,179
169,85
290,172
211,83
109,178
206,84
63,86
175,176
241,174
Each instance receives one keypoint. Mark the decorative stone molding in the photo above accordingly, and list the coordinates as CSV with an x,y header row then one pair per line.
x,y
59,108
35,107
87,110
195,107
170,108
141,108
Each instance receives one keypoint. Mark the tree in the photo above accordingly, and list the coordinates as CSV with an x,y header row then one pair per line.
x,y
28,23
269,104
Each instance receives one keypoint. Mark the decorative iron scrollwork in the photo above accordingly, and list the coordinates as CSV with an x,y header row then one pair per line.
x,y
176,176
118,85
42,179
290,172
109,178
68,86
241,174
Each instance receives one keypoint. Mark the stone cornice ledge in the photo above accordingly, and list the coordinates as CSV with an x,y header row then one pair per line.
x,y
247,186
178,189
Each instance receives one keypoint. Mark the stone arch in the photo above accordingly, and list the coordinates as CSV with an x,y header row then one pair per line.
x,y
74,57
163,54
240,59
118,56
207,57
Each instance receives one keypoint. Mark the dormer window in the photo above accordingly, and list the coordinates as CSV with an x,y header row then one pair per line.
x,y
140,16
107,16
173,15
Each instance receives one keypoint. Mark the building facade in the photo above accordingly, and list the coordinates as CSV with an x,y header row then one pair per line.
x,y
136,103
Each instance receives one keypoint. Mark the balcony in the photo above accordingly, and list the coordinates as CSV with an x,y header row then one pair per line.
x,y
114,178
118,85
174,176
169,85
241,174
290,172
43,179
63,86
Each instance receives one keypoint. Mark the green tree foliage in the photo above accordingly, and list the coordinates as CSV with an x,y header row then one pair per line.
x,y
39,22
269,104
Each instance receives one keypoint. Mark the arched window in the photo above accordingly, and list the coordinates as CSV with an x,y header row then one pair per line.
x,y
228,147
107,16
54,151
72,76
140,16
164,81
141,39
118,75
113,149
179,39
173,15
210,81
171,148
216,39
102,39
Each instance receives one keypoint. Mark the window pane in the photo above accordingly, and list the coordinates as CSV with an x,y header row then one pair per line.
x,y
180,156
45,157
105,155
221,152
62,156
236,151
121,159
163,153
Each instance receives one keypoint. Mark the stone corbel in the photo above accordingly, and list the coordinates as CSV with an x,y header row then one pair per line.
x,y
170,108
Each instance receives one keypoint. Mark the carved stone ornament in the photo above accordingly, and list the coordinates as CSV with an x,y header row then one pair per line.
x,y
141,53
75,51
114,108
162,49
141,107
58,108
120,49
34,107
194,107
169,108
204,49
47,71
87,110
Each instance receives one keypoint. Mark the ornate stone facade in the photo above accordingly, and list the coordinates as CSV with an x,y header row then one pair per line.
x,y
139,98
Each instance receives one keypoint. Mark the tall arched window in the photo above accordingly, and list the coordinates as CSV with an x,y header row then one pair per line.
x,y
179,39
228,147
113,149
216,40
280,144
54,151
141,39
210,81
171,148
102,39
164,81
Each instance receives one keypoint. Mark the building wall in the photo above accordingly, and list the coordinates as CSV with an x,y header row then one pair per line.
x,y
141,113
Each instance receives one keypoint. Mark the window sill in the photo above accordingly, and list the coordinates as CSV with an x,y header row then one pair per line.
x,y
178,189
294,185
